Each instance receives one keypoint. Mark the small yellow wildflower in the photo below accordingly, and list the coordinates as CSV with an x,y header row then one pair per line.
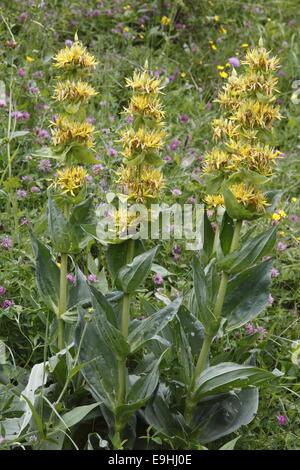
x,y
216,18
276,216
223,74
70,179
183,74
294,199
141,36
282,234
220,67
282,214
213,47
58,265
127,7
210,42
165,20
29,59
126,29
223,30
298,238
227,64
245,45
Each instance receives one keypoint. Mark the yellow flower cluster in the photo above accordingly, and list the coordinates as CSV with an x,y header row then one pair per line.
x,y
249,110
141,140
245,194
70,179
74,91
74,56
147,185
65,132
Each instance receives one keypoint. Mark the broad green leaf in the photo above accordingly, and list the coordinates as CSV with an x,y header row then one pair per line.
x,y
228,376
219,415
250,252
17,134
151,326
208,235
202,296
230,445
132,275
82,214
81,154
101,374
253,284
75,416
226,233
37,419
78,293
103,307
47,275
59,229
140,392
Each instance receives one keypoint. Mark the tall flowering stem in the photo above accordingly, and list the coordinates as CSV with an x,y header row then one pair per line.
x,y
142,140
236,169
72,143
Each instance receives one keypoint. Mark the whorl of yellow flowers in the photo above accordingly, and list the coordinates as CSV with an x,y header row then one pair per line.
x,y
143,138
242,157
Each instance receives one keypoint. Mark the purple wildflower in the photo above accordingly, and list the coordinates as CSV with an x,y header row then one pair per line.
x,y
2,104
282,419
176,192
45,165
71,279
281,246
2,290
294,218
35,189
6,243
184,118
270,299
274,272
234,61
33,89
21,72
68,42
21,193
168,158
7,303
157,279
97,168
92,278
111,152
38,74
174,144
250,328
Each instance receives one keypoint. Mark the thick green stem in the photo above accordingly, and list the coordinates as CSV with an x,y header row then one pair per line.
x,y
124,328
200,366
62,306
